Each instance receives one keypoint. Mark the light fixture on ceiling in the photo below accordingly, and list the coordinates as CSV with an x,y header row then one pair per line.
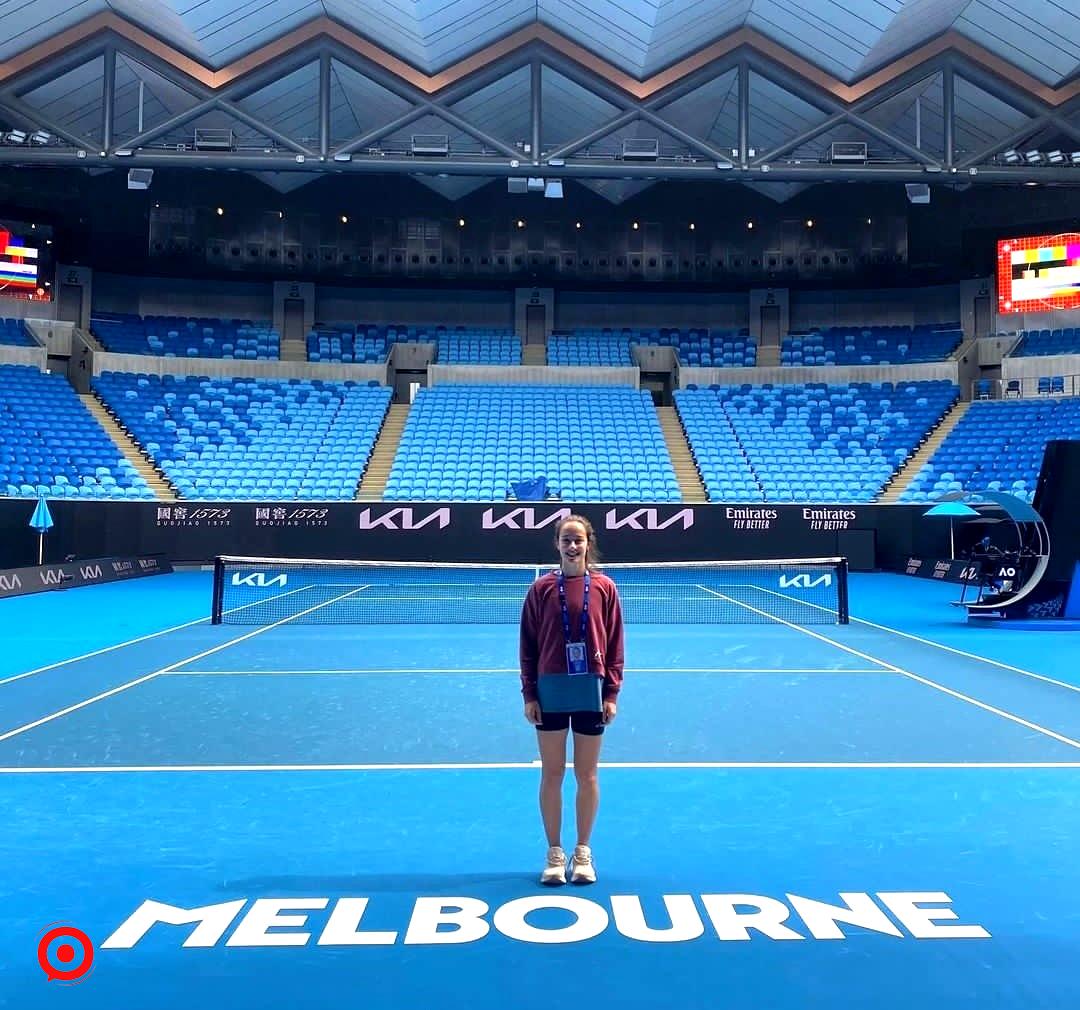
x,y
1055,157
1011,157
1033,157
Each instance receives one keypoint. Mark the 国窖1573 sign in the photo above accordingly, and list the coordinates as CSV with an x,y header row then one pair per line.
x,y
326,922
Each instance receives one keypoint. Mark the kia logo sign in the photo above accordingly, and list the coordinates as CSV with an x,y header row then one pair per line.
x,y
522,519
403,519
648,519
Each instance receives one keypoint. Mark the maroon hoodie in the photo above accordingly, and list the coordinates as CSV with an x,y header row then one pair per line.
x,y
543,640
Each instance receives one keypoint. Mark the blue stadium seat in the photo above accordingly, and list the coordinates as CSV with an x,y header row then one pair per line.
x,y
885,345
472,442
241,439
812,442
997,445
51,444
180,337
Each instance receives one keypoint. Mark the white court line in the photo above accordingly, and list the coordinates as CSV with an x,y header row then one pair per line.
x,y
927,641
534,766
507,670
141,638
165,669
906,673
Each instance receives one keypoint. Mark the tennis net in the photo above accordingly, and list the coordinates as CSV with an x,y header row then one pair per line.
x,y
262,591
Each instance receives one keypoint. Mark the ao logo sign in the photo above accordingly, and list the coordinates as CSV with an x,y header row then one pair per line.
x,y
259,580
805,581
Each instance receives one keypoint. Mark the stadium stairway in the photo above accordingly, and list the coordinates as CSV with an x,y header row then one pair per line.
x,y
372,485
892,491
92,342
768,356
690,486
534,354
294,350
162,489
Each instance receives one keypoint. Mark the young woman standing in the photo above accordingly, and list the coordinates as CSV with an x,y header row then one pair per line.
x,y
571,655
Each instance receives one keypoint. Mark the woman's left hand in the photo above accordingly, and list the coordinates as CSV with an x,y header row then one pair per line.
x,y
609,711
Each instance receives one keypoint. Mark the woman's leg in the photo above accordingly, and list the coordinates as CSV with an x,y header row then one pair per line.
x,y
586,760
552,771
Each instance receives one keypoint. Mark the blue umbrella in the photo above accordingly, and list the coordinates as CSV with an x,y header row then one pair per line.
x,y
42,521
952,509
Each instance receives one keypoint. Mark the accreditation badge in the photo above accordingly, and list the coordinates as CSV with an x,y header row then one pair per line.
x,y
576,661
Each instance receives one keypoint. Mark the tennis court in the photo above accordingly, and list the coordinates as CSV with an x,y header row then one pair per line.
x,y
794,813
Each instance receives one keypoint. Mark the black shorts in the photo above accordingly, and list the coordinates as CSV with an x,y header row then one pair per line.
x,y
585,723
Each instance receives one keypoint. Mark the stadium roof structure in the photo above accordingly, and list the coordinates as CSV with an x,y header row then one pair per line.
x,y
776,94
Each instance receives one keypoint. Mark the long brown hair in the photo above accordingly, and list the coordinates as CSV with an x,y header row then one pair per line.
x,y
592,549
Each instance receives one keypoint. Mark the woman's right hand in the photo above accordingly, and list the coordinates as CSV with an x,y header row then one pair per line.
x,y
532,713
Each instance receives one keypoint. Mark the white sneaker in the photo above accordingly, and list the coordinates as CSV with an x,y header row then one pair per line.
x,y
582,870
554,873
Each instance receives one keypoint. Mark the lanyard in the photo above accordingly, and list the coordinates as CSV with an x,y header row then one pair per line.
x,y
566,612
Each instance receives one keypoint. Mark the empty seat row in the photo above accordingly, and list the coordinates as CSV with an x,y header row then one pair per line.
x,y
181,337
998,445
234,439
471,443
812,442
51,444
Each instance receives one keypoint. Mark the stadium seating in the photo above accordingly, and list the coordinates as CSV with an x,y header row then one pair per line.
x,y
611,346
179,337
244,439
592,443
13,331
813,442
50,443
460,345
872,345
1040,343
998,445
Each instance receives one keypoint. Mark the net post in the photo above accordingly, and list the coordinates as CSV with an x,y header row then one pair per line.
x,y
219,590
842,591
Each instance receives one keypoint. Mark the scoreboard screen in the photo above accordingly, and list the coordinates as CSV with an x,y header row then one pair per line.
x,y
1038,273
25,261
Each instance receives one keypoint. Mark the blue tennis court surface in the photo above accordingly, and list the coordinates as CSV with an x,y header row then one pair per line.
x,y
879,814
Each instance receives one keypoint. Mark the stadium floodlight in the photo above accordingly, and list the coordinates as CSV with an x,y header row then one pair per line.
x,y
343,156
1055,158
40,137
553,189
15,137
1075,157
1033,157
1011,157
